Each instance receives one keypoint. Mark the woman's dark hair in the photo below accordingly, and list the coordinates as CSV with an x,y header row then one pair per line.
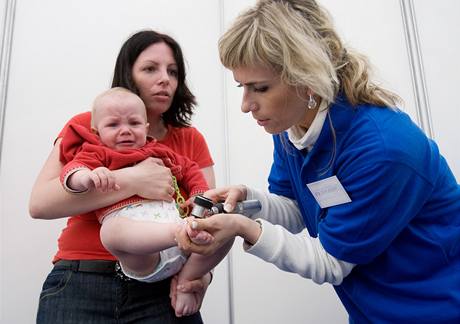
x,y
181,110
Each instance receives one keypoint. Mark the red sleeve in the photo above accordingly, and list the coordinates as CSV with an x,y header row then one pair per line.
x,y
73,137
90,156
79,148
193,180
93,154
201,154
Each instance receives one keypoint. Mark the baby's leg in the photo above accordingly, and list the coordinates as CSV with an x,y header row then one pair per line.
x,y
137,234
119,237
196,267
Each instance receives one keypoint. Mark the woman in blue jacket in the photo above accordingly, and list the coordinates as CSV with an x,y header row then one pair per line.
x,y
364,199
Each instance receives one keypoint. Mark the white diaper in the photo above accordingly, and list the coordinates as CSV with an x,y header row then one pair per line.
x,y
172,259
154,211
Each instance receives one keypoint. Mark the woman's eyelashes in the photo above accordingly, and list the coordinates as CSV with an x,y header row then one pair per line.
x,y
254,88
260,88
152,69
174,73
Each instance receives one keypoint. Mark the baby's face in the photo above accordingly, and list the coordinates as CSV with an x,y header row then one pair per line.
x,y
121,124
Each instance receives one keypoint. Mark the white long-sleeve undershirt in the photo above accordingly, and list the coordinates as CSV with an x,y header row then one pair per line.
x,y
285,242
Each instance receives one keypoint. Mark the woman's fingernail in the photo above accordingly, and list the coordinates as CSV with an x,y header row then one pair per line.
x,y
194,225
228,208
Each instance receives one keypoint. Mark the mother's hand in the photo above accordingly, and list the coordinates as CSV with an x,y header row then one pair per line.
x,y
152,180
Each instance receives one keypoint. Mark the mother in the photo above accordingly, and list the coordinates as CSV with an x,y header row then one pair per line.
x,y
84,285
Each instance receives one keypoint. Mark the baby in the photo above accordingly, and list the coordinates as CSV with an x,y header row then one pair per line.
x,y
139,232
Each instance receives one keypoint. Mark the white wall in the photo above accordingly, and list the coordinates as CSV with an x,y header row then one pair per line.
x,y
62,56
2,19
440,45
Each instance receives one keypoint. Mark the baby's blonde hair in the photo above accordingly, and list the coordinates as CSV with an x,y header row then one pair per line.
x,y
116,93
297,39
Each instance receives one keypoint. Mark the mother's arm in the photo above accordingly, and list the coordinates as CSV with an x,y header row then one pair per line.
x,y
48,200
209,176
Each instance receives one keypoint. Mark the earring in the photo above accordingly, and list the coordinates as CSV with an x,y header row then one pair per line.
x,y
311,104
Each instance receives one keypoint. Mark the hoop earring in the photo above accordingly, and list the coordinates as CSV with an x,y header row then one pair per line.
x,y
311,104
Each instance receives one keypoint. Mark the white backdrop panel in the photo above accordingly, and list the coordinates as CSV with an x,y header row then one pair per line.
x,y
440,45
63,55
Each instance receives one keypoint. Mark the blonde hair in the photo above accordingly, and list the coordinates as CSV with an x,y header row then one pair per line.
x,y
116,93
297,39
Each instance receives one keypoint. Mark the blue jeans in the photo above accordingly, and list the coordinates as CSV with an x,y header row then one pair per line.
x,y
70,297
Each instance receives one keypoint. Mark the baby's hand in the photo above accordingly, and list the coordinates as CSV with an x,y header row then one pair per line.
x,y
102,179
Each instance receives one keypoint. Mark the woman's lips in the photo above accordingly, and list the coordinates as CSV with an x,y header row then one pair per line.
x,y
262,122
161,96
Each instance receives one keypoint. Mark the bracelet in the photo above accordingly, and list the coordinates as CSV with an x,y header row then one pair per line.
x,y
65,179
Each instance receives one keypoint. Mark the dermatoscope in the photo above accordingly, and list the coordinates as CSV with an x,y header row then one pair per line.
x,y
204,207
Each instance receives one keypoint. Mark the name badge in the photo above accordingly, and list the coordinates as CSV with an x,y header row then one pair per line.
x,y
329,192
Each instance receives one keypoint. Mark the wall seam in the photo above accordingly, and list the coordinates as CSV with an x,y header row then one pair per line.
x,y
416,67
227,176
5,54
